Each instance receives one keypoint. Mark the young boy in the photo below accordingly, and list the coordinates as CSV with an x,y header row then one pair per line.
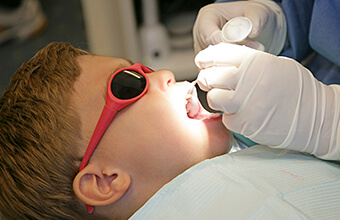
x,y
59,160
49,114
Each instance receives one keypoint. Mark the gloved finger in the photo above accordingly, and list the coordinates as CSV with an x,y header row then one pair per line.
x,y
222,100
259,18
223,54
207,27
218,77
209,31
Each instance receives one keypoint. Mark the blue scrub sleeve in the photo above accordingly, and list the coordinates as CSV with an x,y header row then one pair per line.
x,y
325,29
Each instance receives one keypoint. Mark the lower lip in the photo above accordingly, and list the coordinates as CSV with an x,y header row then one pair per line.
x,y
216,117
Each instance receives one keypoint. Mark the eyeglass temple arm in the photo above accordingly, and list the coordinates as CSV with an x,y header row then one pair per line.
x,y
104,121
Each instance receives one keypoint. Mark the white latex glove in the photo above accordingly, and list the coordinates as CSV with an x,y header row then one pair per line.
x,y
269,24
271,100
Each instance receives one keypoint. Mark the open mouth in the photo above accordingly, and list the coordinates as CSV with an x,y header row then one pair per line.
x,y
194,108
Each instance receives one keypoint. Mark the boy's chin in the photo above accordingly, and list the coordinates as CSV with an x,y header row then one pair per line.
x,y
220,138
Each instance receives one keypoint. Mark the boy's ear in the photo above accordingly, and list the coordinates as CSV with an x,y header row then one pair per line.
x,y
100,186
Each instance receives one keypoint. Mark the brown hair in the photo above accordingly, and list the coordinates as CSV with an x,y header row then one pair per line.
x,y
39,136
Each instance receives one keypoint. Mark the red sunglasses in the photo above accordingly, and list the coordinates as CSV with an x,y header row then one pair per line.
x,y
125,87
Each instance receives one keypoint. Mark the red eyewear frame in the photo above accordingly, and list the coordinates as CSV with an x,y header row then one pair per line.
x,y
114,104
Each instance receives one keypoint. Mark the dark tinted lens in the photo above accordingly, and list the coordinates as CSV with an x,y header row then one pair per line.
x,y
127,84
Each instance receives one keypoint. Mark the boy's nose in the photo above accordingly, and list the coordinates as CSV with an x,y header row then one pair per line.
x,y
162,78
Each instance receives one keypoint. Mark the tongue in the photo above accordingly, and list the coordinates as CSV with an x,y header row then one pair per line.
x,y
195,109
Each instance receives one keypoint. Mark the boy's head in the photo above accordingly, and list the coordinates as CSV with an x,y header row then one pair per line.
x,y
38,136
47,119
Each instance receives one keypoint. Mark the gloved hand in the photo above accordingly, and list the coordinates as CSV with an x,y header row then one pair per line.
x,y
269,24
272,100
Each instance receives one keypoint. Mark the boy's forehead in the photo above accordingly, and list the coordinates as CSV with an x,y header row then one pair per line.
x,y
89,59
94,67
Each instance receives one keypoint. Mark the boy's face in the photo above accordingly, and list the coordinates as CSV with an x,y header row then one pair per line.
x,y
152,138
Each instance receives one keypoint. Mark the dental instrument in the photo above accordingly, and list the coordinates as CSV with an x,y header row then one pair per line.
x,y
237,30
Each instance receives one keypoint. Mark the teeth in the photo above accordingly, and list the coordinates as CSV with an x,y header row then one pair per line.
x,y
192,107
188,96
191,90
192,102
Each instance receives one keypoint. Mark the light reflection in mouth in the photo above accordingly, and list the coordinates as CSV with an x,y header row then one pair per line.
x,y
194,107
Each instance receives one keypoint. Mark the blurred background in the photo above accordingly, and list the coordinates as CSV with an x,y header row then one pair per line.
x,y
157,33
65,23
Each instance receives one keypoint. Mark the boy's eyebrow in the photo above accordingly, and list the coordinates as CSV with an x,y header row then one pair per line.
x,y
120,66
131,63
